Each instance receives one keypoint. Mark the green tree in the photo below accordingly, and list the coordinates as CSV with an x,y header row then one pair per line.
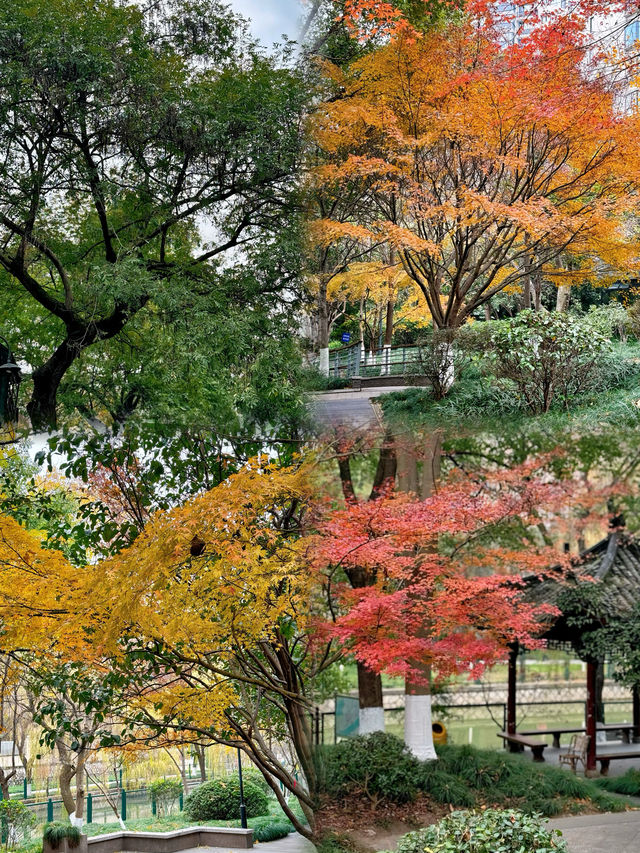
x,y
140,149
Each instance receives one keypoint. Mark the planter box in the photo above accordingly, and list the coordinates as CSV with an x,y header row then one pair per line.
x,y
63,847
168,842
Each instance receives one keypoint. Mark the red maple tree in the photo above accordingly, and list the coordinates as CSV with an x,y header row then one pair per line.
x,y
445,574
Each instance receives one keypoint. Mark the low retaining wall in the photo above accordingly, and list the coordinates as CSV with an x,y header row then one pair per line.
x,y
171,842
386,381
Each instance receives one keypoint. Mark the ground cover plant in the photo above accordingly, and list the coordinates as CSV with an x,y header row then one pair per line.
x,y
487,831
462,777
628,783
57,831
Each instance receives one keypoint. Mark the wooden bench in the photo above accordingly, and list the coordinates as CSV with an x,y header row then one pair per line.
x,y
606,759
625,730
517,743
555,732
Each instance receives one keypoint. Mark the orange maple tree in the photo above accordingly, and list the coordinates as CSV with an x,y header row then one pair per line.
x,y
485,163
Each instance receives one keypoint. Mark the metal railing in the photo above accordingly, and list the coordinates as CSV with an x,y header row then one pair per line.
x,y
478,722
353,360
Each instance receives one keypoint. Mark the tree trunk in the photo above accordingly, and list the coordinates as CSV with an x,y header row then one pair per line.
x,y
67,772
5,779
418,733
202,764
563,297
41,408
323,329
371,716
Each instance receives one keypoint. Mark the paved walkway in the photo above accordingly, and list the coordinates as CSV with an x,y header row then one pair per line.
x,y
347,407
293,843
601,833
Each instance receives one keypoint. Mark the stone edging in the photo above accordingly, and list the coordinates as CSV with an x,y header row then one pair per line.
x,y
165,842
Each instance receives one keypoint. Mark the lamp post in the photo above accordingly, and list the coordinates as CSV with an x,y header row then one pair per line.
x,y
243,808
10,378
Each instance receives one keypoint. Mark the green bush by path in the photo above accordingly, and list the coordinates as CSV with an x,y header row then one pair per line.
x,y
220,799
489,831
378,766
270,828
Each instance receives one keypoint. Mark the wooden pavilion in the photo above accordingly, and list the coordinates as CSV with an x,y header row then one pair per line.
x,y
613,562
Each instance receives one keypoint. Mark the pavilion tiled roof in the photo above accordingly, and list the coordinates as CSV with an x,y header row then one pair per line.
x,y
613,562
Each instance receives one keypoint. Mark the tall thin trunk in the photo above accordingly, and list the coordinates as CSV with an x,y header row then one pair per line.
x,y
202,764
323,328
418,733
563,297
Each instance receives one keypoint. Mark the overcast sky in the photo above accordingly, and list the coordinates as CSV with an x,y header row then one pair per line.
x,y
270,18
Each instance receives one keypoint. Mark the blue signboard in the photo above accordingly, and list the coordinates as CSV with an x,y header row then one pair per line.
x,y
346,337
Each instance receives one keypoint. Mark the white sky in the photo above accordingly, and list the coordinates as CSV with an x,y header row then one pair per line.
x,y
270,18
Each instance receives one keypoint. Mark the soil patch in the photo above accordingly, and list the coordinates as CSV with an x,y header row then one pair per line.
x,y
370,830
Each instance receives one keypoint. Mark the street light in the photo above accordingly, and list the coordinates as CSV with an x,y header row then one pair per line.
x,y
243,807
10,379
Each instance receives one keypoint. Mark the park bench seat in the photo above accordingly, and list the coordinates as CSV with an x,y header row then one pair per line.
x,y
606,758
625,730
517,743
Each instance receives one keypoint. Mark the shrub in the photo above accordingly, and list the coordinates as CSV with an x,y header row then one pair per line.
x,y
484,832
54,834
377,765
628,784
270,828
256,778
548,356
16,821
220,800
165,792
500,778
446,788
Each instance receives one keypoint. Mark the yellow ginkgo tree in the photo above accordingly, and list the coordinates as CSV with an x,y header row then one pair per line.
x,y
202,621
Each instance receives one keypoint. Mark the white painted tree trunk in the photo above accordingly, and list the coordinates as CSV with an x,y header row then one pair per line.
x,y
446,369
371,720
418,735
323,361
563,297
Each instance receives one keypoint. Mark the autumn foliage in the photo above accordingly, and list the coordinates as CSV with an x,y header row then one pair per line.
x,y
483,161
444,586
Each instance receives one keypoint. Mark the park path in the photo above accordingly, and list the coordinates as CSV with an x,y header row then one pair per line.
x,y
601,833
331,409
293,843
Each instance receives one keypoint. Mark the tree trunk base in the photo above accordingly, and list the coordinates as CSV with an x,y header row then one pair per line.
x,y
418,734
371,720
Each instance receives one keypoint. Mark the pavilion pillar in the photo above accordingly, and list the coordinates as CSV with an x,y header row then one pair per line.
x,y
512,680
636,713
592,667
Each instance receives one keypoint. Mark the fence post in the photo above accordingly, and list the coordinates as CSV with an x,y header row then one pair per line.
x,y
24,789
89,808
154,807
123,804
49,810
181,801
3,825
